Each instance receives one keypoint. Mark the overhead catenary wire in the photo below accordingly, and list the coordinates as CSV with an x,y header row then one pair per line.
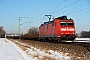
x,y
50,9
83,18
80,10
54,7
40,7
66,6
55,11
58,5
80,6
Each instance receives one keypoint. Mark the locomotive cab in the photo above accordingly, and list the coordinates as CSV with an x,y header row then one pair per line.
x,y
67,28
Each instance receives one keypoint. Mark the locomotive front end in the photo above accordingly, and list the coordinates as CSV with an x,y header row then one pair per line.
x,y
67,29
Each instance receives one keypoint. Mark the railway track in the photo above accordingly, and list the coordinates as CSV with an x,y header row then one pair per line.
x,y
84,44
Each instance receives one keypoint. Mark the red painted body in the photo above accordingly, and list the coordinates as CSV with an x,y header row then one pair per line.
x,y
59,27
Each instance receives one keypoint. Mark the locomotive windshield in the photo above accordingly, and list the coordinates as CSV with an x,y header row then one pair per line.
x,y
69,24
66,24
63,23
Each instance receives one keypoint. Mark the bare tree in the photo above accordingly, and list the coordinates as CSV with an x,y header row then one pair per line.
x,y
33,32
2,32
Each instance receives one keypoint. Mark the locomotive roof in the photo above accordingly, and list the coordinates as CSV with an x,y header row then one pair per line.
x,y
61,18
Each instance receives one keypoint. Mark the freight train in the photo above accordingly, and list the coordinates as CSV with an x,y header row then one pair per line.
x,y
58,29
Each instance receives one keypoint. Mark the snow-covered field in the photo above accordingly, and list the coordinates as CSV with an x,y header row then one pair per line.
x,y
38,54
10,51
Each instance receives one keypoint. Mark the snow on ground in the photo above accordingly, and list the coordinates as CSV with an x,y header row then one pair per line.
x,y
8,51
82,40
39,54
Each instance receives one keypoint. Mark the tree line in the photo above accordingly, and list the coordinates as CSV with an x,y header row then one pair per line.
x,y
34,31
85,34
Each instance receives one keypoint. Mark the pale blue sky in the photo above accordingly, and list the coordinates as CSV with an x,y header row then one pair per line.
x,y
10,10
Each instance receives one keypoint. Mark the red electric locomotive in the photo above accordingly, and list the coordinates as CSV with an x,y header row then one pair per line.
x,y
59,29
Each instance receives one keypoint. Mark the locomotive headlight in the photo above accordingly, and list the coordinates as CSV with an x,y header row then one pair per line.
x,y
62,32
72,32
